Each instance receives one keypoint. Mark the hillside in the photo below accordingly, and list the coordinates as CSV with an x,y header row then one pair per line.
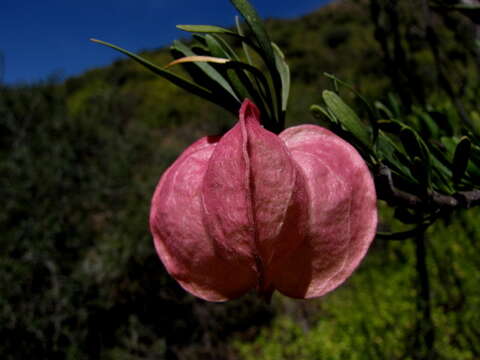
x,y
79,276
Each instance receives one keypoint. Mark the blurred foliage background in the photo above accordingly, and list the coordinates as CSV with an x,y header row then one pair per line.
x,y
80,158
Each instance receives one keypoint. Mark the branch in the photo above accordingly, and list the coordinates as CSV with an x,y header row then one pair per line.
x,y
387,191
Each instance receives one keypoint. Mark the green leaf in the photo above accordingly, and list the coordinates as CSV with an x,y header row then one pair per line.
x,y
441,172
236,73
473,167
208,69
215,48
450,144
256,25
284,71
244,44
430,125
372,116
395,105
209,29
255,90
389,153
380,106
460,159
474,172
412,143
347,117
266,51
220,42
264,89
175,79
218,47
418,153
197,75
318,110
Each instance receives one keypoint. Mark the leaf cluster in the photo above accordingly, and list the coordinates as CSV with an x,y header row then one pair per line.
x,y
225,76
424,164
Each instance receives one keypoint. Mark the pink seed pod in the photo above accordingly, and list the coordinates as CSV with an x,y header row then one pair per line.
x,y
294,212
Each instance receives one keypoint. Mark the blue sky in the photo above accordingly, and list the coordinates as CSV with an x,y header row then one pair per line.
x,y
39,38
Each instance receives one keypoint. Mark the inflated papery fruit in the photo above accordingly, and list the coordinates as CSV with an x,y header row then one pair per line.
x,y
294,212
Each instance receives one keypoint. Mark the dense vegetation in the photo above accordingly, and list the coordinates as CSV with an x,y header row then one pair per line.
x,y
80,158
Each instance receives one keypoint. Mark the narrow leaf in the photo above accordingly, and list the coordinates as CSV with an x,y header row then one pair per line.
x,y
380,106
372,116
284,71
412,143
318,110
173,78
418,153
257,74
347,117
429,124
389,153
207,69
210,29
441,171
244,44
220,48
266,52
256,25
395,105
